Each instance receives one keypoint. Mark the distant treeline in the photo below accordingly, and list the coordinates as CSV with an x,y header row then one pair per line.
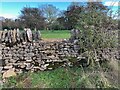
x,y
48,17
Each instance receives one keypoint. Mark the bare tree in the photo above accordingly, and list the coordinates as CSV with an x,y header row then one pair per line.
x,y
50,12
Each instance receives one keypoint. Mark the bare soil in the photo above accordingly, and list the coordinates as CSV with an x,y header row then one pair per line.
x,y
51,40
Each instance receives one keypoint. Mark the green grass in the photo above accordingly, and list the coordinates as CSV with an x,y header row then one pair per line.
x,y
0,81
55,79
75,77
57,34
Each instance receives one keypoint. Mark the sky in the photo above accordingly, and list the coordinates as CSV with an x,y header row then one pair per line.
x,y
12,8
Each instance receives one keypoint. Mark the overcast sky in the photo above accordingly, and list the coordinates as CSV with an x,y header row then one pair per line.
x,y
11,8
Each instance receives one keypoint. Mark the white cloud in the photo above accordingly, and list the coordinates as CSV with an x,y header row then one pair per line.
x,y
110,3
10,16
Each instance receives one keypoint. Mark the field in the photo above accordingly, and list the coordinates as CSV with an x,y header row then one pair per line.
x,y
58,34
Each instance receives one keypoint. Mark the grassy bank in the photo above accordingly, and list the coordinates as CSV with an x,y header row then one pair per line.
x,y
76,77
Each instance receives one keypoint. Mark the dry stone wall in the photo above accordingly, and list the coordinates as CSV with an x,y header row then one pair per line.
x,y
41,55
37,56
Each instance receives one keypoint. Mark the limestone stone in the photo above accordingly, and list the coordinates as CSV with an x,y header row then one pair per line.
x,y
22,66
29,34
45,66
0,57
29,60
28,66
50,68
8,67
1,68
18,35
9,73
36,67
19,71
52,57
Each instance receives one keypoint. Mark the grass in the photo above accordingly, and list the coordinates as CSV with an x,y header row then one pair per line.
x,y
1,81
58,34
54,79
75,77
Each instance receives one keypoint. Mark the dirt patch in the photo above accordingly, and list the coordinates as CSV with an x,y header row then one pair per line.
x,y
51,40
